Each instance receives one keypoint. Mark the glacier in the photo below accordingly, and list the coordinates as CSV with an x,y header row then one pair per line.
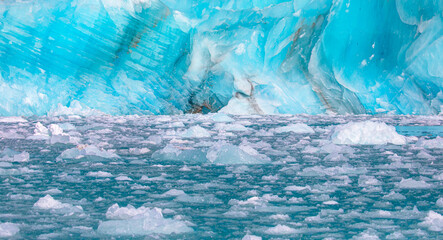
x,y
234,56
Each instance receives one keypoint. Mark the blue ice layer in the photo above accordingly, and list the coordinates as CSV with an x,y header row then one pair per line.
x,y
241,57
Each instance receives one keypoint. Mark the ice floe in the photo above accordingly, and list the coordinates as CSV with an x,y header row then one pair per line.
x,y
281,230
8,230
413,184
367,133
86,150
131,221
9,155
433,221
49,203
299,128
196,132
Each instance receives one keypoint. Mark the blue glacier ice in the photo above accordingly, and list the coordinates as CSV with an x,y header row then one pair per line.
x,y
233,56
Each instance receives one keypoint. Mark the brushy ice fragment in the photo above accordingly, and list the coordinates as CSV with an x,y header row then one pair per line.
x,y
367,133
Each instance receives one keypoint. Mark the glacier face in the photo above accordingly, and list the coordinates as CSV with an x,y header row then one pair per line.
x,y
242,56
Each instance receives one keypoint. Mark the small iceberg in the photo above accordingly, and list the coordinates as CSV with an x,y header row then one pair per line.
x,y
86,150
142,221
367,133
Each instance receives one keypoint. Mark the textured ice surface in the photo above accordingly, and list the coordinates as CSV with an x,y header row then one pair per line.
x,y
248,181
8,230
368,132
240,57
130,221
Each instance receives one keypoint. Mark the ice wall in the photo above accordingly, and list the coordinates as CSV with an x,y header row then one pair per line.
x,y
245,57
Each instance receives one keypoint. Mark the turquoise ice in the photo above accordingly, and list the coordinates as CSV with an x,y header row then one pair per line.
x,y
168,57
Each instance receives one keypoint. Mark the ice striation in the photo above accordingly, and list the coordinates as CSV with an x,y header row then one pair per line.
x,y
240,57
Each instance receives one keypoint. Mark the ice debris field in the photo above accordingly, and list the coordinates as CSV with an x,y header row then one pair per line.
x,y
220,176
238,56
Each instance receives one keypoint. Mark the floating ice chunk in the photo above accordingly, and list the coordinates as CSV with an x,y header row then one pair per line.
x,y
19,196
433,221
75,108
10,172
367,133
364,181
173,193
12,120
436,143
199,198
251,237
40,132
8,229
297,188
55,129
131,221
281,230
139,151
225,153
440,202
295,200
53,191
332,171
394,196
438,176
115,212
335,157
333,148
86,150
425,155
396,235
123,178
176,153
11,134
9,155
369,234
49,203
40,129
221,117
330,202
99,174
196,132
231,127
411,184
299,128
255,201
185,169
279,217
